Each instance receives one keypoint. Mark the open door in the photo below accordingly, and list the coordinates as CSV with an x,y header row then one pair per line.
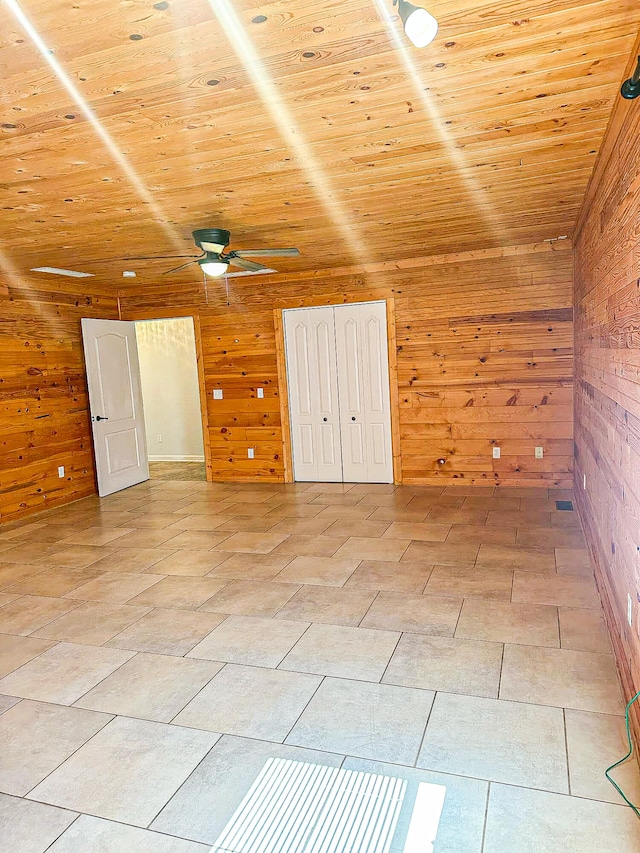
x,y
115,404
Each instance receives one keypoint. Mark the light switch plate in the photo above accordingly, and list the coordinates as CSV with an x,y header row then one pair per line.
x,y
539,452
250,453
260,393
61,471
496,453
217,393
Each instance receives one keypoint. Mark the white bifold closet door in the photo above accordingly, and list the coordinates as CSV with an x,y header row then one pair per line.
x,y
338,374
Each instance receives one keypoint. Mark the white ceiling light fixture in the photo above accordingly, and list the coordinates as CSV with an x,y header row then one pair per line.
x,y
213,265
419,25
58,271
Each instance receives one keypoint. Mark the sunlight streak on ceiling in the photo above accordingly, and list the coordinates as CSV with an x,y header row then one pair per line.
x,y
476,194
287,127
104,136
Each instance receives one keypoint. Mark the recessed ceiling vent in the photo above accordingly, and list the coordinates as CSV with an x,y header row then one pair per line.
x,y
57,271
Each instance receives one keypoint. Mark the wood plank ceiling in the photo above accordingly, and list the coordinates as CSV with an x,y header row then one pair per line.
x,y
311,123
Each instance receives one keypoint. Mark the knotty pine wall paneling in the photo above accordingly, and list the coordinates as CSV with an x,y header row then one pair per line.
x,y
44,412
484,357
607,399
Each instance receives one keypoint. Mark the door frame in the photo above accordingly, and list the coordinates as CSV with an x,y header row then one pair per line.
x,y
283,384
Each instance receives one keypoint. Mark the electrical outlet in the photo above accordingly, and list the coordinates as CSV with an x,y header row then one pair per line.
x,y
538,452
217,393
250,453
629,609
496,453
260,393
60,471
159,438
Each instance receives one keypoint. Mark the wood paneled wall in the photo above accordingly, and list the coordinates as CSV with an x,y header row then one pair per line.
x,y
485,358
44,420
607,401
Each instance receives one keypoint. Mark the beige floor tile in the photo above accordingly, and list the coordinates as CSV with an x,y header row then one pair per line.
x,y
520,518
466,582
97,535
37,737
450,502
166,632
17,530
419,531
92,623
556,537
370,529
251,598
232,507
114,587
570,825
304,526
223,777
63,673
516,559
595,742
7,702
562,677
500,741
470,491
246,524
189,563
252,543
54,582
52,532
13,573
325,571
202,523
420,614
584,630
495,502
131,560
565,520
152,687
180,592
341,513
16,651
148,538
442,553
31,827
328,605
461,825
343,652
447,664
394,515
158,520
504,622
389,576
561,590
362,548
364,720
30,612
277,513
95,833
228,703
250,640
449,515
481,534
347,499
142,764
573,561
6,597
200,541
310,546
250,566
29,552
76,556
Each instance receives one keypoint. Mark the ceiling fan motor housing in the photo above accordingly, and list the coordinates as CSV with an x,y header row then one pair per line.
x,y
211,239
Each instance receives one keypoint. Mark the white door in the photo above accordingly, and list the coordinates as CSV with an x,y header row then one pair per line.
x,y
338,375
363,392
115,403
313,394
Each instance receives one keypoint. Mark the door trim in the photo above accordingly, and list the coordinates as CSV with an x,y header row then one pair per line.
x,y
283,386
202,387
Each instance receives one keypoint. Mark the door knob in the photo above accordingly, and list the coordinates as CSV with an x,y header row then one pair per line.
x,y
324,419
353,419
100,418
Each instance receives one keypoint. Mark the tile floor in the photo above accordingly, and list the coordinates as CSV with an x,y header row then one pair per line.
x,y
158,645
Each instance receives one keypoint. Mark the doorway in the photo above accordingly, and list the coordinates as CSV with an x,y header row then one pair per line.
x,y
145,399
338,387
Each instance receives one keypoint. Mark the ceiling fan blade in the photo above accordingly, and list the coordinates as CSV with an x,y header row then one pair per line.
x,y
250,266
182,266
136,258
267,253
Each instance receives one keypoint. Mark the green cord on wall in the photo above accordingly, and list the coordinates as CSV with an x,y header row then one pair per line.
x,y
622,760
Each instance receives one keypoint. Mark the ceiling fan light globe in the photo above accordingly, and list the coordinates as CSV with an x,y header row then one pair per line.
x,y
419,25
213,268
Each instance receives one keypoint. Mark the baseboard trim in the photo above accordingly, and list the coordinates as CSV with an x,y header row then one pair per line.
x,y
176,458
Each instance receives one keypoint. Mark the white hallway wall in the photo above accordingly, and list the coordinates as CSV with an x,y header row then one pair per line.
x,y
169,374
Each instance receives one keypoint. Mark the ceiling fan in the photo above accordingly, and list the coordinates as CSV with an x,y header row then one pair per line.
x,y
214,261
